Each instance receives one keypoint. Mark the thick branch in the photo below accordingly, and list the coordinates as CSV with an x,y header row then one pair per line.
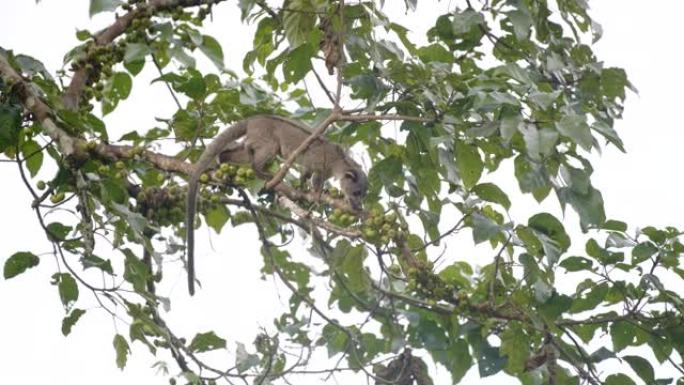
x,y
32,102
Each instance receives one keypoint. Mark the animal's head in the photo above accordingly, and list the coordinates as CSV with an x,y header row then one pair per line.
x,y
354,185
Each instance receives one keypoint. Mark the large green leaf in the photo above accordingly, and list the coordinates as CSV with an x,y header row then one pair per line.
x,y
122,350
69,321
19,263
67,287
212,48
642,368
204,342
469,163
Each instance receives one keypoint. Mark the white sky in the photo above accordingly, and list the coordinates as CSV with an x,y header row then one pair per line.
x,y
641,187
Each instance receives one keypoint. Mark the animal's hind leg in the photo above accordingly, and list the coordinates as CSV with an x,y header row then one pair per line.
x,y
259,158
238,154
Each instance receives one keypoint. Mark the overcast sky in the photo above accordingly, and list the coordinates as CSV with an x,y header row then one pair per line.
x,y
641,187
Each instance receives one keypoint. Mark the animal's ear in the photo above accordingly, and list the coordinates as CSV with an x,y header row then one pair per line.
x,y
351,174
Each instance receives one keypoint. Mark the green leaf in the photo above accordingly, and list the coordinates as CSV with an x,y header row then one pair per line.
x,y
544,99
213,50
576,179
97,262
83,35
67,287
592,299
642,368
114,190
136,52
522,23
203,342
531,177
18,263
466,21
613,82
614,225
458,273
33,156
460,360
577,264
492,193
601,354
469,163
515,345
426,332
31,66
609,133
69,321
185,124
538,143
588,206
122,350
298,63
116,89
623,334
551,234
299,23
135,67
193,86
555,306
335,339
435,53
121,85
135,271
490,361
217,217
483,228
57,231
576,128
586,332
618,379
348,262
97,6
10,124
642,252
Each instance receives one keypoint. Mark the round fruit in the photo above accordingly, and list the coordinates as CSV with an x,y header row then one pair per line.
x,y
370,233
224,167
120,165
103,169
218,174
58,197
41,185
346,218
204,178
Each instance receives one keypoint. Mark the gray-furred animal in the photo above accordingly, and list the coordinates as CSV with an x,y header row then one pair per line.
x,y
265,138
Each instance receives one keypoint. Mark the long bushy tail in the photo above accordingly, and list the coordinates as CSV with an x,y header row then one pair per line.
x,y
209,155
